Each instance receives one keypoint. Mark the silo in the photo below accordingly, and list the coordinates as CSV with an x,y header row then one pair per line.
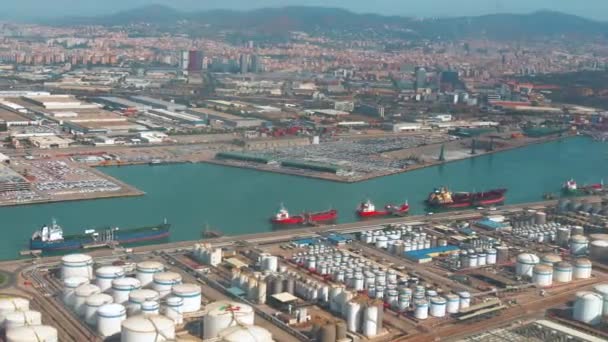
x,y
598,250
22,318
465,299
327,333
550,259
542,275
146,270
540,217
491,256
149,328
248,333
121,288
223,314
150,308
269,262
69,286
191,294
578,245
81,294
261,292
353,315
588,307
105,275
421,309
340,331
371,322
473,260
438,306
174,308
163,282
77,265
562,272
277,285
289,285
453,304
32,333
577,230
109,318
525,264
563,236
502,254
11,304
602,289
582,269
598,236
93,303
138,297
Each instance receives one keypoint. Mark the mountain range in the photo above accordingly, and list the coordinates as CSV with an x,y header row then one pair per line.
x,y
280,20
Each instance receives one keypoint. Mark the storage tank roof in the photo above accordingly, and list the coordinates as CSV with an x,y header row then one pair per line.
x,y
167,277
600,243
76,258
563,265
224,307
601,289
543,269
186,289
112,309
528,258
31,333
150,265
86,290
110,270
126,282
75,281
245,333
553,258
582,262
142,295
99,299
147,323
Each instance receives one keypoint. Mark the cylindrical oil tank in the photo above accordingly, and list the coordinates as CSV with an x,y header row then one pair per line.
x,y
582,269
563,236
562,272
251,333
174,308
191,294
137,297
381,242
453,303
92,304
223,314
109,318
104,276
353,315
163,282
473,260
491,256
121,288
598,236
327,333
32,333
22,318
81,294
465,299
578,244
290,285
577,230
438,306
588,307
69,286
11,304
540,217
598,250
525,264
550,259
77,265
147,328
542,275
150,308
602,289
421,309
502,254
371,322
340,331
145,271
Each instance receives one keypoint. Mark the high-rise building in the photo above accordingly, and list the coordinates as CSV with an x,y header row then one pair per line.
x,y
195,61
244,63
255,64
420,78
184,60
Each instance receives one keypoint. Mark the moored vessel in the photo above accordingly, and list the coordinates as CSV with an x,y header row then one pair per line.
x,y
570,187
444,198
282,217
368,209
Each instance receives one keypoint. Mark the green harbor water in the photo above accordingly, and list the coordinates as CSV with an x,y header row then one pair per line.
x,y
237,201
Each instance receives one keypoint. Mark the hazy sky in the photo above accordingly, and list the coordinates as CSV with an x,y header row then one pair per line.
x,y
596,9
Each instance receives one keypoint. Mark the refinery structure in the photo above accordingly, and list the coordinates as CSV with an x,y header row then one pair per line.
x,y
519,273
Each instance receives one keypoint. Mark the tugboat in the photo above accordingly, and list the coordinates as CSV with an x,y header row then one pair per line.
x,y
49,238
368,209
444,198
282,217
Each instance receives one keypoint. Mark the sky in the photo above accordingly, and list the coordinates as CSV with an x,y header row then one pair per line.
x,y
595,9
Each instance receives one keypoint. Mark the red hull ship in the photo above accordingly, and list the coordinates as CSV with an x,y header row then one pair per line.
x,y
368,209
282,217
443,198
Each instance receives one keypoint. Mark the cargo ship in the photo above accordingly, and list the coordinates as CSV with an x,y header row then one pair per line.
x,y
444,198
282,217
51,238
570,187
368,209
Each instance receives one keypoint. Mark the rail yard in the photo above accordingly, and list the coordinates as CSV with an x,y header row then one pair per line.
x,y
518,271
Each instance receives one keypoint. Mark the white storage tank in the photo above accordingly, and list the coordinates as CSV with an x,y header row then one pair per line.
x,y
191,294
453,304
150,308
245,333
137,297
542,275
550,259
104,276
173,308
438,306
353,315
163,282
602,289
22,318
582,269
93,303
491,256
421,309
223,314
81,294
32,333
562,272
150,328
11,304
69,286
121,288
465,299
382,242
598,250
145,271
371,320
109,318
578,244
588,307
525,264
77,265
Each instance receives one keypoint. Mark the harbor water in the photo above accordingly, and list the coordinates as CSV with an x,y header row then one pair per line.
x,y
237,201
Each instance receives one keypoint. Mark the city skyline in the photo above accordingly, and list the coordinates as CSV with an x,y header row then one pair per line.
x,y
29,9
